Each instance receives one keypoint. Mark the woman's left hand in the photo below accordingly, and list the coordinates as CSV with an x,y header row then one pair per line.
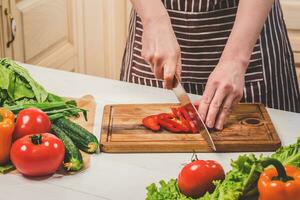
x,y
223,90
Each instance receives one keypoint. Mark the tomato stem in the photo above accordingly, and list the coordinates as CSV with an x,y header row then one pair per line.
x,y
1,118
36,139
282,176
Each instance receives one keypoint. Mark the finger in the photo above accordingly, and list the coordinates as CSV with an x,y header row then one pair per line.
x,y
158,72
206,99
224,112
169,73
214,107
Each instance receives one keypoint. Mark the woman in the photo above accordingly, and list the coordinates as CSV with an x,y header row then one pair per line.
x,y
227,50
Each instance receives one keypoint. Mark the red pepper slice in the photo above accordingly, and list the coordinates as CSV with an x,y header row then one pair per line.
x,y
187,117
171,123
151,122
176,112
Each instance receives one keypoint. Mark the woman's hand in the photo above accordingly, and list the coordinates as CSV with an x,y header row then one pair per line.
x,y
223,90
161,49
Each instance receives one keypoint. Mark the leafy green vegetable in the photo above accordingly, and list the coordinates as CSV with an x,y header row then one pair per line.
x,y
289,155
18,84
18,91
240,182
167,191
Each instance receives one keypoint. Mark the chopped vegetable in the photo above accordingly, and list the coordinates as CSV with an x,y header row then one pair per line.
x,y
151,122
172,123
73,158
6,133
196,178
178,121
82,138
279,183
37,155
31,121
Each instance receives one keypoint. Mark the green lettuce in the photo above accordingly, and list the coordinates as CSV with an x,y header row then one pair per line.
x,y
16,84
167,191
289,155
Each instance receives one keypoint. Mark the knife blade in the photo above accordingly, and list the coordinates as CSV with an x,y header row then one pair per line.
x,y
185,101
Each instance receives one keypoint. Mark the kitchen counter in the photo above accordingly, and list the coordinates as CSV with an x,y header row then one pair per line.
x,y
118,176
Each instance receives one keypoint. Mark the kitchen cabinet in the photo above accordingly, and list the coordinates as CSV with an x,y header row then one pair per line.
x,y
74,35
46,33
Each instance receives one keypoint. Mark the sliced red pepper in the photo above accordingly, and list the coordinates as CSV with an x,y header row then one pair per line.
x,y
177,113
151,122
171,123
192,123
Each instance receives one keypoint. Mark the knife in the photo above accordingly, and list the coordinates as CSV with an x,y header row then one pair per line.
x,y
185,101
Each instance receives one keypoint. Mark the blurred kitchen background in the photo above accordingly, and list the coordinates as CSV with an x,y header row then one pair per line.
x,y
85,36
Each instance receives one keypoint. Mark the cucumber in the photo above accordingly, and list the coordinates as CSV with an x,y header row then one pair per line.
x,y
73,158
82,138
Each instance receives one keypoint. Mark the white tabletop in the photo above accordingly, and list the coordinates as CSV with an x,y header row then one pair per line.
x,y
117,176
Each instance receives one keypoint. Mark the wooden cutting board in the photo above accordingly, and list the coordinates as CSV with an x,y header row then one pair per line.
x,y
249,128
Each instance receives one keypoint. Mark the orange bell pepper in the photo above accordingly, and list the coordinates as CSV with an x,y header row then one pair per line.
x,y
6,131
279,183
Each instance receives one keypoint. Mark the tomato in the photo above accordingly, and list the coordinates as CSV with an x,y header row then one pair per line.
x,y
37,155
31,121
196,178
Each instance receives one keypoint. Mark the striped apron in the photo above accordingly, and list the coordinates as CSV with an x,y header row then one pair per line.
x,y
202,28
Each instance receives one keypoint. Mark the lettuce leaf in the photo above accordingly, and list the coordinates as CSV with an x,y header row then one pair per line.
x,y
18,84
167,191
289,155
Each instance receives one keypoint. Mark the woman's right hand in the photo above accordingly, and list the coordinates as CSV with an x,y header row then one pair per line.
x,y
161,50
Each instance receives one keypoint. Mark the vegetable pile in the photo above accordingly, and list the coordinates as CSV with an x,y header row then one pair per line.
x,y
37,135
248,179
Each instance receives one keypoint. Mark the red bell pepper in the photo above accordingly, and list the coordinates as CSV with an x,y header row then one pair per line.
x,y
193,125
171,123
151,122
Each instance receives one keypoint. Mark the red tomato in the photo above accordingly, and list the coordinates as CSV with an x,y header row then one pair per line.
x,y
196,178
37,155
31,121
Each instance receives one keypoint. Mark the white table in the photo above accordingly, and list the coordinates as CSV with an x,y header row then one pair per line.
x,y
117,176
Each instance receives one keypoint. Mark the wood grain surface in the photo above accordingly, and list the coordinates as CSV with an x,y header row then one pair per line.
x,y
248,128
